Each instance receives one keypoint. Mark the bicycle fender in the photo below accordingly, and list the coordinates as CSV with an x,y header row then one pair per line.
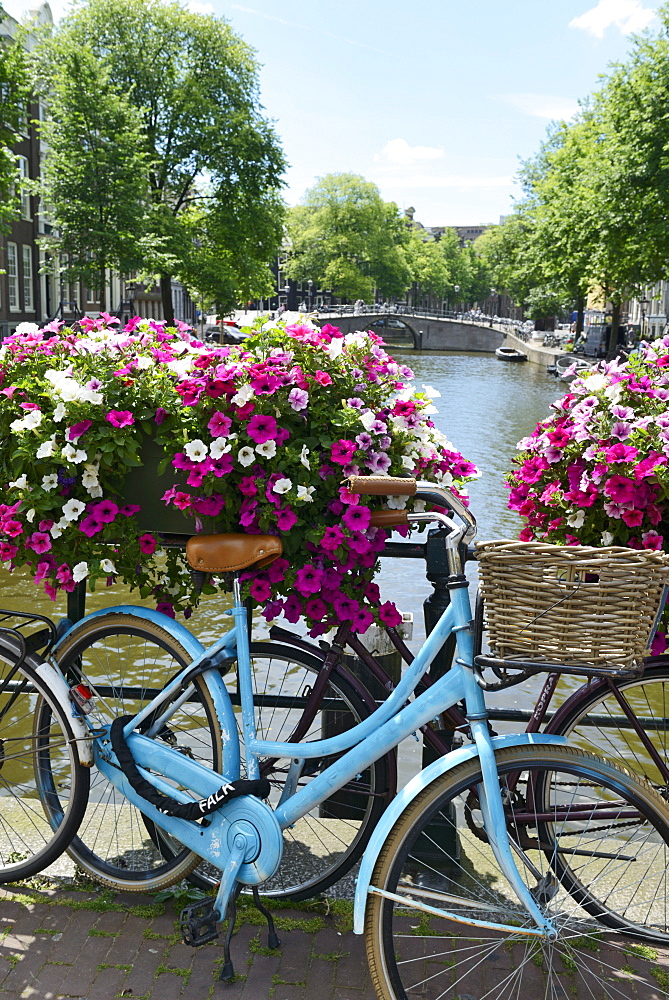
x,y
57,685
220,697
406,796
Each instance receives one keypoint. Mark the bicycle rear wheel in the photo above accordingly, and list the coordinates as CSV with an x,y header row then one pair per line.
x,y
553,798
597,721
43,787
127,661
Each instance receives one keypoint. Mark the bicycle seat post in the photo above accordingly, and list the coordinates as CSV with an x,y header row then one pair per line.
x,y
244,679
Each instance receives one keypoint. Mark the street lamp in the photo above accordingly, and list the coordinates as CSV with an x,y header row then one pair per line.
x,y
493,292
456,289
642,304
311,285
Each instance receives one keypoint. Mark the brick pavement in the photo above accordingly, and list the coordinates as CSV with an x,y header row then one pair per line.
x,y
93,944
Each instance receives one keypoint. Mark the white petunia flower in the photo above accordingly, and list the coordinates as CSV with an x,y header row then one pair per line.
x,y
304,457
59,413
74,455
245,456
80,571
55,531
576,520
107,566
306,493
594,382
21,483
219,447
431,392
72,509
367,419
50,482
47,448
30,516
142,364
607,538
396,503
282,485
32,419
196,450
408,462
243,395
335,347
25,328
267,449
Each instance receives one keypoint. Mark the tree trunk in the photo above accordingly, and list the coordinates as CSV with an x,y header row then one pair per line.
x,y
166,297
580,314
103,289
612,351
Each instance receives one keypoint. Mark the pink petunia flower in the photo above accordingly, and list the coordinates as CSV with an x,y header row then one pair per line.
x,y
78,430
261,428
120,418
147,544
39,541
308,580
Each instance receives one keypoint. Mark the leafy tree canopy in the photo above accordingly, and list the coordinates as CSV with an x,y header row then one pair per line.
x,y
13,98
194,84
345,237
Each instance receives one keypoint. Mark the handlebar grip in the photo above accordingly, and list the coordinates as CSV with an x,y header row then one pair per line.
x,y
381,486
388,518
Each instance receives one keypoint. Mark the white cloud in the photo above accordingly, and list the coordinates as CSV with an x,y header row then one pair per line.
x,y
542,105
627,15
197,7
399,151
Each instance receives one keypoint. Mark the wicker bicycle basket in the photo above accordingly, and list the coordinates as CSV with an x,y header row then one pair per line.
x,y
574,605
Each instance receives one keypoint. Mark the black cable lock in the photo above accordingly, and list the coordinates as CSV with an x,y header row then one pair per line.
x,y
165,803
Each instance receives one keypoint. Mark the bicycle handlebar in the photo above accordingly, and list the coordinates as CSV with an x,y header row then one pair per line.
x,y
429,492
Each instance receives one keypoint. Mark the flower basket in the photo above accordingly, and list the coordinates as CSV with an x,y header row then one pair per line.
x,y
574,605
112,436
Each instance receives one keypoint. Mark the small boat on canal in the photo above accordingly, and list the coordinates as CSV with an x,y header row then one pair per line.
x,y
510,354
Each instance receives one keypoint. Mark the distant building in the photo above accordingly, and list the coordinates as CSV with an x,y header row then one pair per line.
x,y
467,234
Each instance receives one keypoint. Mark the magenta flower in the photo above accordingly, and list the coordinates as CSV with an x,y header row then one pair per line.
x,y
322,378
120,418
78,430
308,580
362,620
130,508
632,518
357,518
285,519
345,607
64,575
332,539
315,609
260,589
219,425
277,571
7,551
12,528
91,525
105,510
166,608
261,428
160,415
342,451
377,462
292,609
389,614
39,541
147,544
620,489
247,486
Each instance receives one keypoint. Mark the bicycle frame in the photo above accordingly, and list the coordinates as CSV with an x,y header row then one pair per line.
x,y
244,837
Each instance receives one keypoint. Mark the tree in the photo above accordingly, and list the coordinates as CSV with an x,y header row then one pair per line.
x,y
95,172
194,83
13,98
345,237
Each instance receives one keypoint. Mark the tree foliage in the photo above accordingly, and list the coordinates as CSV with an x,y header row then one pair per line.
x,y
13,98
95,171
193,83
345,237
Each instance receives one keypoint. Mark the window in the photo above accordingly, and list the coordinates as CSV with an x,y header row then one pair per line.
x,y
23,192
28,303
12,277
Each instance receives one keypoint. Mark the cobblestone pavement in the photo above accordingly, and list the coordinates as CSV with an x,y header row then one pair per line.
x,y
98,945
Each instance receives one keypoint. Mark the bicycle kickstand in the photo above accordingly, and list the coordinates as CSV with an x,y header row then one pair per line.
x,y
227,971
272,939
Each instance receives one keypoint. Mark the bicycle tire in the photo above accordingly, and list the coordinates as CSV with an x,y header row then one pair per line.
x,y
127,659
33,760
323,846
412,952
596,721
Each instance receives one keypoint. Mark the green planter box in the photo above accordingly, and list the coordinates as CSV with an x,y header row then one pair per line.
x,y
145,487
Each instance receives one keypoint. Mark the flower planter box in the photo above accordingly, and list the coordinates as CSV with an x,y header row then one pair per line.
x,y
145,486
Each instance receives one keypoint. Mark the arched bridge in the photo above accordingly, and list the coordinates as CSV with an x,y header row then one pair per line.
x,y
423,333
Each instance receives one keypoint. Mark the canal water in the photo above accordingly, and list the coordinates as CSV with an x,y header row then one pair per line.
x,y
486,406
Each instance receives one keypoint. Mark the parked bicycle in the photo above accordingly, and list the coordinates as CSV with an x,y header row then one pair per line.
x,y
598,843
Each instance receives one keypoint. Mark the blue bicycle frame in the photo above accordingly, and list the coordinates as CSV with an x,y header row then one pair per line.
x,y
243,838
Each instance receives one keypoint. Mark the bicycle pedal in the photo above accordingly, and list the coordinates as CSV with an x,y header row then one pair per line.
x,y
197,923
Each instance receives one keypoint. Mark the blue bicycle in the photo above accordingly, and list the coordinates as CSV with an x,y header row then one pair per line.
x,y
501,858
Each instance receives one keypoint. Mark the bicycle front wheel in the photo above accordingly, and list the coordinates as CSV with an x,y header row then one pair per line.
x,y
43,787
578,821
599,722
128,661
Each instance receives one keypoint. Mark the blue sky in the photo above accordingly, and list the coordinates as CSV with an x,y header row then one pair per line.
x,y
433,100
